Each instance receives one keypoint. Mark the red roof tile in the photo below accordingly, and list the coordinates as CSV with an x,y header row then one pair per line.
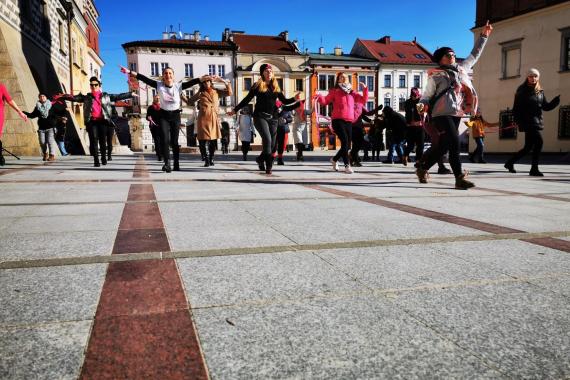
x,y
403,52
218,45
249,43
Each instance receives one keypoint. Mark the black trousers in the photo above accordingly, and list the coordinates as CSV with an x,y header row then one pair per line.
x,y
415,137
170,129
343,130
267,129
532,142
357,141
281,133
448,140
110,134
245,147
156,133
210,145
97,132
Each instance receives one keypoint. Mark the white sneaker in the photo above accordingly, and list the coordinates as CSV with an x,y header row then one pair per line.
x,y
334,165
348,169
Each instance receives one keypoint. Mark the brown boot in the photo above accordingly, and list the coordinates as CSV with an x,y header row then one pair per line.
x,y
405,160
45,158
422,175
51,157
462,184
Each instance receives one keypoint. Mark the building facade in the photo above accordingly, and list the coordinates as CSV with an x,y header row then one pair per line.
x,y
190,56
324,68
526,34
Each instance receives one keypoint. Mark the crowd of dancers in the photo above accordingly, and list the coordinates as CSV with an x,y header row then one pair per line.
x,y
433,114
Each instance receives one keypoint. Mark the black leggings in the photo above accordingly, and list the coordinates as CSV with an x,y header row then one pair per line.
x,y
532,142
415,136
267,129
97,131
211,147
170,128
448,140
343,130
245,147
357,140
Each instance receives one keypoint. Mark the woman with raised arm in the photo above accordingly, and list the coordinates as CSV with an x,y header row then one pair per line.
x,y
170,108
449,94
266,91
208,122
5,97
343,99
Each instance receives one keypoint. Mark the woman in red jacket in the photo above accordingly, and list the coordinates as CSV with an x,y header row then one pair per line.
x,y
5,97
343,99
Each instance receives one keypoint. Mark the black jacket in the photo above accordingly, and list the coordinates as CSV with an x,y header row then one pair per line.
x,y
528,107
264,102
396,123
412,113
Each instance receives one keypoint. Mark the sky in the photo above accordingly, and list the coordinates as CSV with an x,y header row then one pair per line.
x,y
434,24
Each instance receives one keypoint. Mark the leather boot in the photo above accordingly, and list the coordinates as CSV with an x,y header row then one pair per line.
x,y
261,161
268,164
45,157
461,183
510,167
166,167
534,172
51,157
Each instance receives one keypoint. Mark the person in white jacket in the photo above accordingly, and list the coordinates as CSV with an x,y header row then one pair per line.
x,y
245,129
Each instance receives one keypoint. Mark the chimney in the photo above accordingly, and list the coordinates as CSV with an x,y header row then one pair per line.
x,y
384,40
206,38
196,35
321,50
226,34
165,35
338,50
284,35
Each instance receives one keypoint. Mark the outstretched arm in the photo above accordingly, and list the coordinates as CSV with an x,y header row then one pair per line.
x,y
123,96
151,82
13,104
549,106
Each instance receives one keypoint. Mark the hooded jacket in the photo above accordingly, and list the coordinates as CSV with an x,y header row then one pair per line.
x,y
528,107
459,96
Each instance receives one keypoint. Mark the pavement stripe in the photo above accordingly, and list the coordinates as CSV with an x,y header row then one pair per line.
x,y
561,245
165,254
143,327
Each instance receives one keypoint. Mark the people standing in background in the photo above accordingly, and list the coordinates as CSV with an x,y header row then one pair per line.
x,y
61,115
284,118
529,103
46,127
478,125
245,131
169,92
153,118
415,133
299,126
343,99
97,114
396,124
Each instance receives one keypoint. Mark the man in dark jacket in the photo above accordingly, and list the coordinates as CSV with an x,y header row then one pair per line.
x,y
153,117
396,124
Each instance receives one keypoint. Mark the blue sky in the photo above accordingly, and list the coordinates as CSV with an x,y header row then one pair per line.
x,y
440,23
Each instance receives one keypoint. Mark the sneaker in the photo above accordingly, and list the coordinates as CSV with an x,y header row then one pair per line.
x,y
334,165
462,184
443,170
348,169
422,175
510,167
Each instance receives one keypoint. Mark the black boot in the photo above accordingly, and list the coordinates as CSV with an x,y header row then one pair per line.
x,y
166,167
261,161
2,159
280,161
534,172
268,163
510,166
176,166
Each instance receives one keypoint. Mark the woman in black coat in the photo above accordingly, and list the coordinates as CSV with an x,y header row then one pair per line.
x,y
527,112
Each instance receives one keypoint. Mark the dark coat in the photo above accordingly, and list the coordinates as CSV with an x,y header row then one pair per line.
x,y
412,114
396,123
528,107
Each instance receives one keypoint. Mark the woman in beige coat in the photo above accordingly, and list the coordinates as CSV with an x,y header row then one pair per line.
x,y
208,122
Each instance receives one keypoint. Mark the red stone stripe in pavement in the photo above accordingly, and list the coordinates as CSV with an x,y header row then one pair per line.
x,y
549,242
143,328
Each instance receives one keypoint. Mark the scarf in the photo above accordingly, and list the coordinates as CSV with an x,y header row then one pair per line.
x,y
44,108
346,87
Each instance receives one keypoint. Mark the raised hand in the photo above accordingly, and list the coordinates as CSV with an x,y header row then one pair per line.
x,y
487,29
362,84
124,70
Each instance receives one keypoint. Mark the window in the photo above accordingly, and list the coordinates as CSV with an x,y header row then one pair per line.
x,y
417,81
564,123
369,106
402,83
299,85
247,83
420,56
153,91
280,83
362,78
189,70
370,82
387,80
211,69
81,60
383,55
402,104
61,31
511,59
331,80
401,55
565,50
506,129
154,69
133,67
322,82
222,70
44,20
386,102
73,51
163,66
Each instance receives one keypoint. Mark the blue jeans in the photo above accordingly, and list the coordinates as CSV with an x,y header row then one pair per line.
x,y
397,148
478,152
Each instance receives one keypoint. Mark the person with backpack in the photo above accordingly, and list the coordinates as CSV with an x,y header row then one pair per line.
x,y
530,101
449,94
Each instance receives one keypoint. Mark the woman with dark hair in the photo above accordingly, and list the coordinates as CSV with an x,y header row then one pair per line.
x,y
266,91
343,99
530,101
449,94
97,115
415,133
170,108
5,97
46,126
208,121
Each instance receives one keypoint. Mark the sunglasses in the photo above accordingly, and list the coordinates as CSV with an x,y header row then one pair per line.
x,y
94,84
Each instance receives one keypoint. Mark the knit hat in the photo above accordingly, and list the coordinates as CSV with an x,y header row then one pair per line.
x,y
264,67
439,53
533,72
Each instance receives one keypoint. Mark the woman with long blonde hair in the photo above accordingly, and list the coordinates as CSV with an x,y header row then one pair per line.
x,y
266,91
530,101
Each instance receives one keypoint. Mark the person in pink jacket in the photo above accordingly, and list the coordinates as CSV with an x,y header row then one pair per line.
x,y
344,101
